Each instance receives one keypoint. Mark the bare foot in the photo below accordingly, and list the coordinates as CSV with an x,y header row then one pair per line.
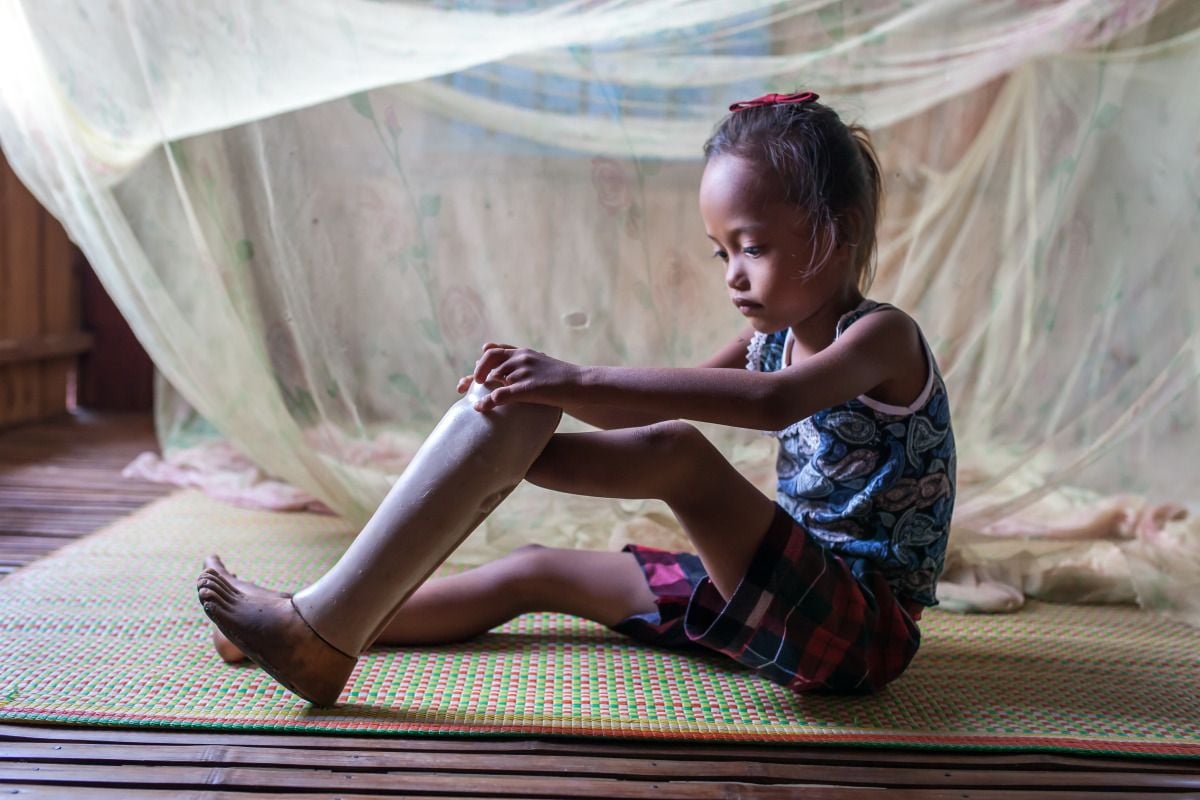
x,y
227,650
265,626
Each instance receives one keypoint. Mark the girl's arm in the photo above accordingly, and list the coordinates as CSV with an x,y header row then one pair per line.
x,y
877,350
730,356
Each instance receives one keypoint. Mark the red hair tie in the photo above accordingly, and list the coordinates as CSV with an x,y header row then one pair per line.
x,y
775,100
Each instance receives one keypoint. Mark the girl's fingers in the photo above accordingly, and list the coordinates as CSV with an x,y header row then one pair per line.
x,y
499,396
492,400
492,359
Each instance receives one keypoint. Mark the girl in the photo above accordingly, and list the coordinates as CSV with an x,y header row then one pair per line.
x,y
819,589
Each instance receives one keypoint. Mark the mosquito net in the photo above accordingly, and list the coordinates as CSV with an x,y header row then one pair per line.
x,y
312,215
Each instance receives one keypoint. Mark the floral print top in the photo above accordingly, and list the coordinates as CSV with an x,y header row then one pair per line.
x,y
872,482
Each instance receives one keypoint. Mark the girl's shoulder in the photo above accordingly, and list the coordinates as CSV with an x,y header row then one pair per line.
x,y
883,333
895,338
887,323
881,312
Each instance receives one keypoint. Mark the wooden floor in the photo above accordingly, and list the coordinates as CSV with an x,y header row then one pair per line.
x,y
61,479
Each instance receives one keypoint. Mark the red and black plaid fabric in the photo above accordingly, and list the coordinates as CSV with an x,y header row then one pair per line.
x,y
799,617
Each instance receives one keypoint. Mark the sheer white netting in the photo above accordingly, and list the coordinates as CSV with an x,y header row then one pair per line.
x,y
312,215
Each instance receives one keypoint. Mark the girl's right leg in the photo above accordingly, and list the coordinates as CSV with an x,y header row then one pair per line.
x,y
723,513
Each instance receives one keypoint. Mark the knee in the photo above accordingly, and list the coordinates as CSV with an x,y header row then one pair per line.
x,y
674,448
523,574
512,413
671,437
525,552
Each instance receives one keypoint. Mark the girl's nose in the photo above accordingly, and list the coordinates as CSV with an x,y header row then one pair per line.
x,y
735,276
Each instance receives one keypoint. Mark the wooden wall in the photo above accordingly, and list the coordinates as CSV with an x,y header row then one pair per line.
x,y
41,334
60,333
115,374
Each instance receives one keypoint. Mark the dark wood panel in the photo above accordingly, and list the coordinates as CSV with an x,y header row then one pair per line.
x,y
53,346
822,793
629,765
53,306
565,785
60,312
116,374
695,752
20,294
39,306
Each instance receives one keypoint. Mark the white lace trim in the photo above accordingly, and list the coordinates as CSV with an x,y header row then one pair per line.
x,y
754,357
754,352
791,429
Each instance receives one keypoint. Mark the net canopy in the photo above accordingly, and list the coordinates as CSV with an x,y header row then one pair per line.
x,y
312,214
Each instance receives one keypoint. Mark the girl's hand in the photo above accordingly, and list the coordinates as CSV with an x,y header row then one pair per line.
x,y
521,375
464,383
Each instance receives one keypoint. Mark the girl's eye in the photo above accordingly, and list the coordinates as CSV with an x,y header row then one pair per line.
x,y
753,252
721,254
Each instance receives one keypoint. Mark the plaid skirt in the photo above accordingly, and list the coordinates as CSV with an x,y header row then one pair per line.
x,y
799,617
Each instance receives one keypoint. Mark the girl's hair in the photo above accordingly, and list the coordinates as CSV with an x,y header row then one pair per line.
x,y
827,168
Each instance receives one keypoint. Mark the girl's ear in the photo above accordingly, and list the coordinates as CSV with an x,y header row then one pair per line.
x,y
850,224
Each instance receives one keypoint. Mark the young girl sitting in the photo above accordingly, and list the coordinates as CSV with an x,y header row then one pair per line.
x,y
820,589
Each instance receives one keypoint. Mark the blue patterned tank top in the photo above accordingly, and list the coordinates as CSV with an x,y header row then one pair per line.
x,y
871,482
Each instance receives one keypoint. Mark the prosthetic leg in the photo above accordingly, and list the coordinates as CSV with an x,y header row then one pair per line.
x,y
463,470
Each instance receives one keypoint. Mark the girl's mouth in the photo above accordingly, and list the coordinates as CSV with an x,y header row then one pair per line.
x,y
746,307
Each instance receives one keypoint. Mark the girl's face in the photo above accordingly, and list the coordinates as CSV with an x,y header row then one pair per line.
x,y
768,247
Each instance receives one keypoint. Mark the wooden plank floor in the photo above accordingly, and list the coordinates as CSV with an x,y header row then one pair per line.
x,y
61,479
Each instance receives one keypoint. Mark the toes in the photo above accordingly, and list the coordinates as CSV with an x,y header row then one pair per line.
x,y
213,566
208,591
217,589
210,598
217,579
215,563
217,611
